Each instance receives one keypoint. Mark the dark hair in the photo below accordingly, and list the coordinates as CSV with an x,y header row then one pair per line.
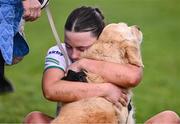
x,y
85,19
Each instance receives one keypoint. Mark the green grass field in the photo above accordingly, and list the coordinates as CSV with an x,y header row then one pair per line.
x,y
159,21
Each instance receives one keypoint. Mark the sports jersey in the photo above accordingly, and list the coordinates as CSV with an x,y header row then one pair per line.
x,y
55,58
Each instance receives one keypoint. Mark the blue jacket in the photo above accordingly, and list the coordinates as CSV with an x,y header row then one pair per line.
x,y
10,1
10,15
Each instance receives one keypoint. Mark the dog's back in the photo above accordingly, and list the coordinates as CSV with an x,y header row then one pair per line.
x,y
87,111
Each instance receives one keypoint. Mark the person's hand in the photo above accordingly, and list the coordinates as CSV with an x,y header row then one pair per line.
x,y
116,95
32,9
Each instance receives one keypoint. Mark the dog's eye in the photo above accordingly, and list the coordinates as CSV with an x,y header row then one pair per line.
x,y
137,27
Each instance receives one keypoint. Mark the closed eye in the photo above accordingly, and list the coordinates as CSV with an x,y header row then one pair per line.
x,y
68,46
83,48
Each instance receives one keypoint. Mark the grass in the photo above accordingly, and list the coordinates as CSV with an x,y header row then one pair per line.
x,y
159,90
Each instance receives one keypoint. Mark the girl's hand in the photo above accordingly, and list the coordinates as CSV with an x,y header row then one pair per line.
x,y
116,95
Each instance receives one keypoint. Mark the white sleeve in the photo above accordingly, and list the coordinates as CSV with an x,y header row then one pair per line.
x,y
55,59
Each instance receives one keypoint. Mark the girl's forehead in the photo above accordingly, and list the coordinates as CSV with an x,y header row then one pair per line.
x,y
79,38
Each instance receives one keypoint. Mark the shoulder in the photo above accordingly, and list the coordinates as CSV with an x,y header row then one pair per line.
x,y
55,50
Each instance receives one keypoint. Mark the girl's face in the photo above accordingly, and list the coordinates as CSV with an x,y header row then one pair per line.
x,y
77,42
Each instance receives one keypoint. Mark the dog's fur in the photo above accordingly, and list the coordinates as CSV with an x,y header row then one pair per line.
x,y
117,43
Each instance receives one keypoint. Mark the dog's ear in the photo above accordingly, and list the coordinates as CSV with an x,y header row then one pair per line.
x,y
132,46
136,34
133,53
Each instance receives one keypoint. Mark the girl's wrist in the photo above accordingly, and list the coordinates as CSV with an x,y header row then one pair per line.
x,y
106,89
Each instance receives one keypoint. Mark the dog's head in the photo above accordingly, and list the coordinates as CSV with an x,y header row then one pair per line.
x,y
120,32
129,39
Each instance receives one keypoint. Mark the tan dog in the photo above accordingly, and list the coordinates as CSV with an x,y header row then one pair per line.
x,y
117,43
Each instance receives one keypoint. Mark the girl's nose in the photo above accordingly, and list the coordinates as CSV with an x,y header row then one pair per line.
x,y
75,55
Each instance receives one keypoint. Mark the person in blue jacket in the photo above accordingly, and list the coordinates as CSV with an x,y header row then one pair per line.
x,y
12,44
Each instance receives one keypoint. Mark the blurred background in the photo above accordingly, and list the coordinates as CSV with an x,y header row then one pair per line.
x,y
159,21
